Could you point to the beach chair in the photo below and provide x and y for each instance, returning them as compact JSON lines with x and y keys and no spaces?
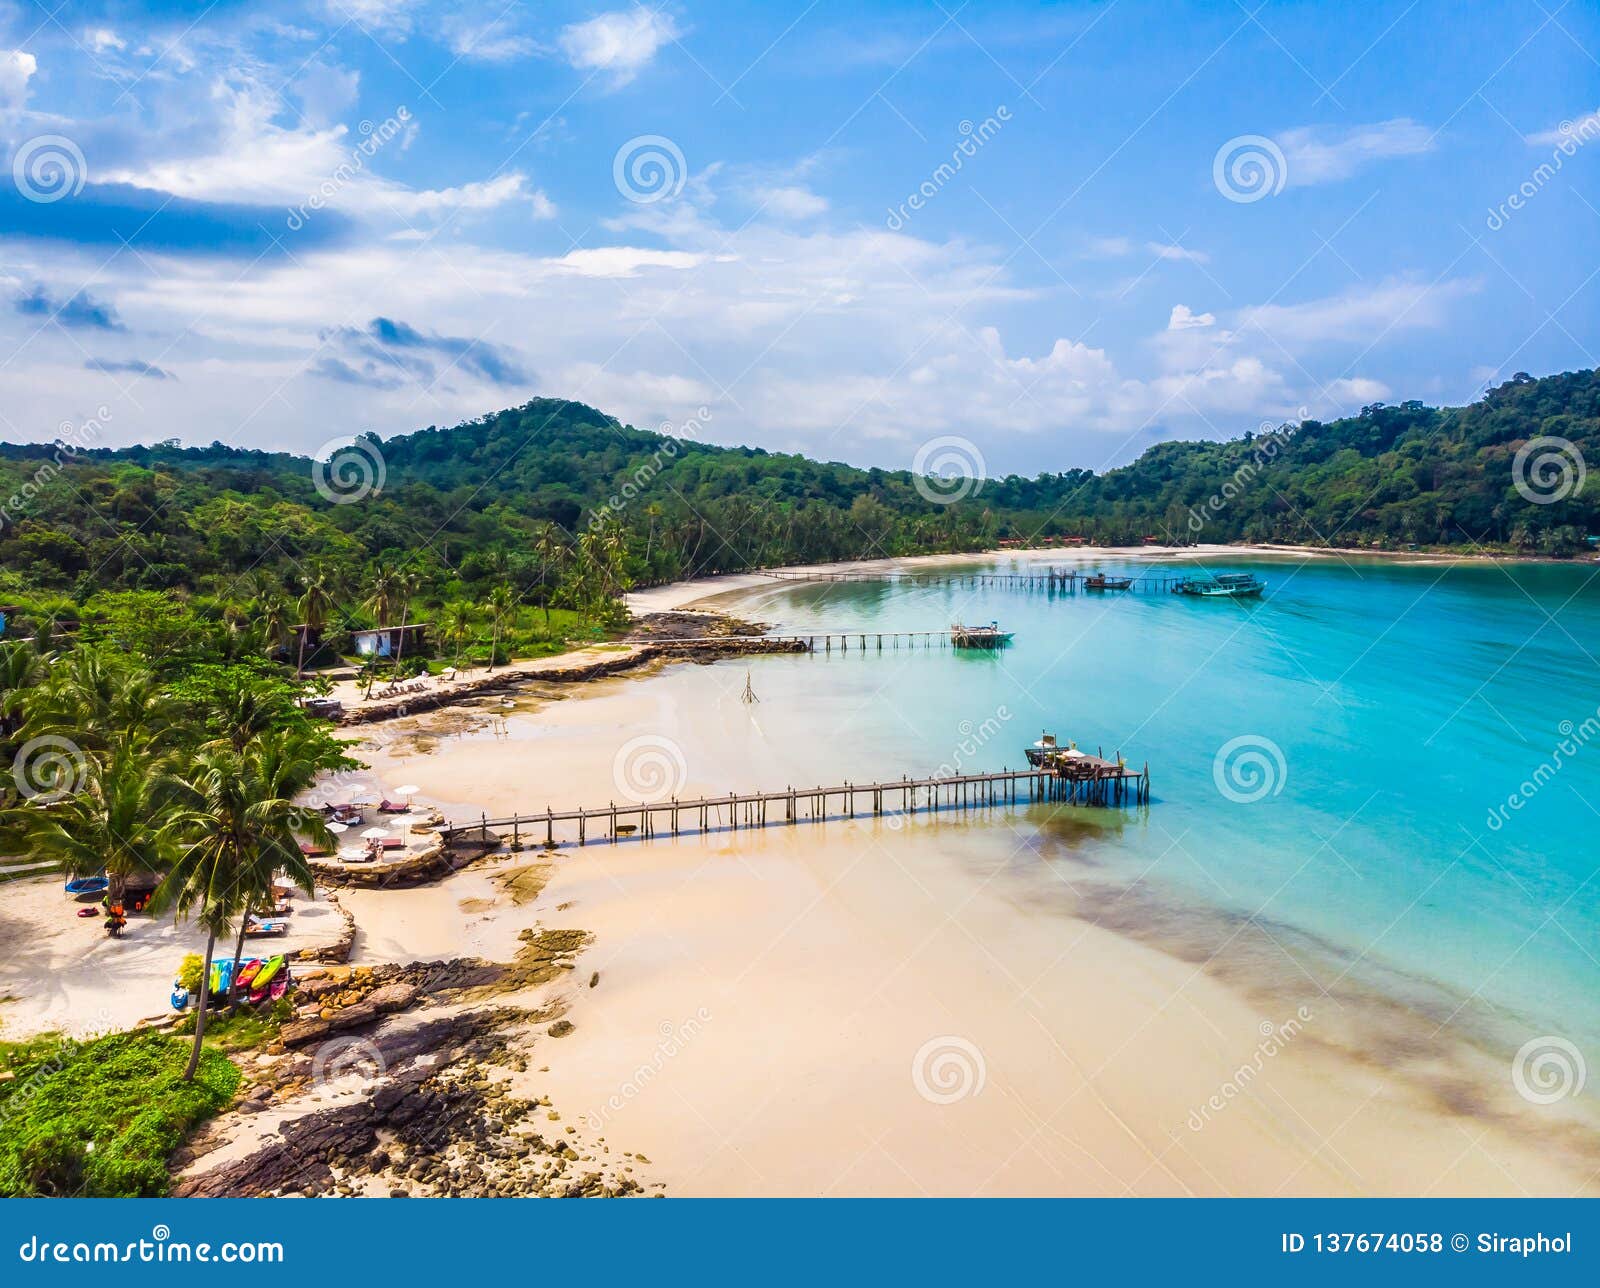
{"x":389,"y":807}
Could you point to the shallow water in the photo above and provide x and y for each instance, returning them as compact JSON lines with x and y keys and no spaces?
{"x":1333,"y":766}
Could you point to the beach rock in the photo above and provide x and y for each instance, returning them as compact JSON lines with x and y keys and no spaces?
{"x":560,"y":1029}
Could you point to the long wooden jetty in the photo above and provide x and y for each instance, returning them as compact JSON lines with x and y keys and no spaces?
{"x":811,"y":641}
{"x":1086,"y":780}
{"x":1063,"y":580}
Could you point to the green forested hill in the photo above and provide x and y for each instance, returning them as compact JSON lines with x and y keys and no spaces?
{"x":507,"y":498}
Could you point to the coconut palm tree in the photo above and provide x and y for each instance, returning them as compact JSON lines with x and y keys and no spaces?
{"x":22,"y":667}
{"x":455,"y":623}
{"x":277,"y":767}
{"x":316,"y":606}
{"x":548,"y":548}
{"x":500,"y":604}
{"x":110,"y":823}
{"x":409,"y":582}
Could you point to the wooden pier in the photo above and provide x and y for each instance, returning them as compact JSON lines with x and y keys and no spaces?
{"x":824,"y":641}
{"x":1086,"y":780}
{"x":1060,"y":580}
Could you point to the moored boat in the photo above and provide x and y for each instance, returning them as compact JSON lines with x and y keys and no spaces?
{"x":1236,"y":585}
{"x":990,"y":636}
{"x":1099,"y":581}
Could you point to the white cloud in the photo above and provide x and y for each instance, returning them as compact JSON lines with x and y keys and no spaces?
{"x":326,"y":92}
{"x":1363,"y":314}
{"x":1317,"y":155}
{"x":16,"y":70}
{"x":620,"y":43}
{"x":493,"y":40}
{"x":790,"y":201}
{"x":1108,"y":247}
{"x":103,"y":39}
{"x":1183,"y":320}
{"x":1165,"y":250}
{"x":1578,"y":130}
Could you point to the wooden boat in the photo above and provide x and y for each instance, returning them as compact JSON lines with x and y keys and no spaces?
{"x":1239,"y":585}
{"x":1099,"y":581}
{"x":990,"y":636}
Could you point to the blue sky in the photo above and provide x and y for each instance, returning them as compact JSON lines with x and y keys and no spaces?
{"x":1062,"y":232}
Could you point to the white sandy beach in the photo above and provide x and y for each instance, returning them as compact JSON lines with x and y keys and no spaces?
{"x":860,"y":1007}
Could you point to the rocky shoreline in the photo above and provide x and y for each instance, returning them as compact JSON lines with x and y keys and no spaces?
{"x":396,"y":1081}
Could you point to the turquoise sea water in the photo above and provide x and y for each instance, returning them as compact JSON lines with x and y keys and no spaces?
{"x":1385,"y":714}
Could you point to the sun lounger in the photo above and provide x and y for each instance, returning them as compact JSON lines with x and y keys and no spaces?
{"x":390,"y":807}
{"x":312,"y":850}
{"x":391,"y":843}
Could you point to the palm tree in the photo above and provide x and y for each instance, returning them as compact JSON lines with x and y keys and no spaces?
{"x":272,"y":614}
{"x":316,"y":603}
{"x":500,"y":606}
{"x":455,"y":623}
{"x":277,"y":767}
{"x":408,"y":584}
{"x":548,"y":548}
{"x":109,"y":823}
{"x":22,"y":666}
{"x":206,"y":881}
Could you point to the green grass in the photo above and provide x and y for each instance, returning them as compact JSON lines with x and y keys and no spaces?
{"x":101,"y":1118}
{"x":246,"y":1029}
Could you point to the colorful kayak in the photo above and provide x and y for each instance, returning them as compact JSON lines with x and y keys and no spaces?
{"x":221,"y":976}
{"x":248,"y":970}
{"x":279,"y":987}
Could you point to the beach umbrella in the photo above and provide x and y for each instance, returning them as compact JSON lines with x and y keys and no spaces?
{"x":372,"y":833}
{"x":336,"y":828}
{"x":364,"y":798}
{"x":410,"y":789}
{"x":352,"y":852}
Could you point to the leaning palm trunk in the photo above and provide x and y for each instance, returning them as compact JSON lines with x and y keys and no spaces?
{"x":238,"y":952}
{"x":200,"y":1014}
